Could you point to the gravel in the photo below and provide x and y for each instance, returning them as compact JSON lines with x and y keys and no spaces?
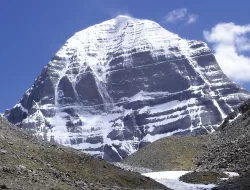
{"x":230,"y":147}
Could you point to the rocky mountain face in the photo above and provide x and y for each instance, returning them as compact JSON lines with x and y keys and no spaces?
{"x":230,"y":147}
{"x":121,"y":84}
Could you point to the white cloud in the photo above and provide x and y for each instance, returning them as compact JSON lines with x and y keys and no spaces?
{"x":181,"y":15}
{"x":192,"y":18}
{"x":231,"y":46}
{"x":176,"y":15}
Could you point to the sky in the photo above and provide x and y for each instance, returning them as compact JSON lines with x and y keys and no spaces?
{"x":32,"y":31}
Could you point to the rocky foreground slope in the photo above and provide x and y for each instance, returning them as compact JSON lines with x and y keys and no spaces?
{"x":230,"y":149}
{"x":124,"y":83}
{"x":241,"y":182}
{"x":169,"y":154}
{"x":29,"y":163}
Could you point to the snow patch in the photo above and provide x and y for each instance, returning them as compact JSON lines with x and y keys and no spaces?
{"x":223,"y":115}
{"x":238,"y":115}
{"x":22,"y":108}
{"x":171,"y":180}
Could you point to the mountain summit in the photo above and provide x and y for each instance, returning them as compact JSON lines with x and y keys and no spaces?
{"x":121,"y":84}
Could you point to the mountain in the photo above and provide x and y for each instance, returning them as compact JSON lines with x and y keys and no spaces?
{"x":122,"y":84}
{"x":30,"y":163}
{"x":230,"y":145}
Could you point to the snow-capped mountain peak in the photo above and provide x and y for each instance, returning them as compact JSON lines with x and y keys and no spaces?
{"x":123,"y":83}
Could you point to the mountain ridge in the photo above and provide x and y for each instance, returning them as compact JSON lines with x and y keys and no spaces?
{"x":121,"y":84}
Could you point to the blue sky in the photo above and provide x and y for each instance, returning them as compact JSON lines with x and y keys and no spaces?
{"x":32,"y":31}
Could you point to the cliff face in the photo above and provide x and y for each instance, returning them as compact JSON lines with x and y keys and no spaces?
{"x":121,"y":84}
